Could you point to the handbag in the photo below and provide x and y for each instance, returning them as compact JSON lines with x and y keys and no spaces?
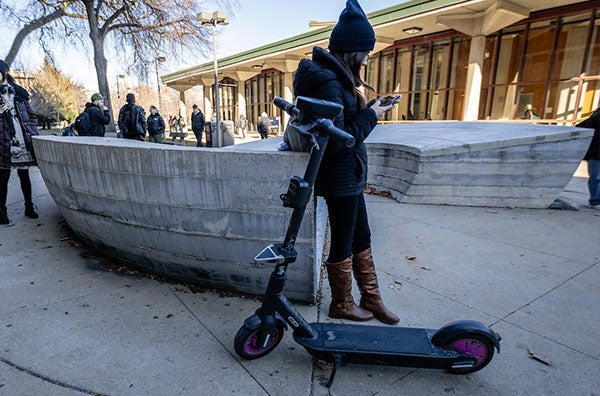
{"x":295,"y":138}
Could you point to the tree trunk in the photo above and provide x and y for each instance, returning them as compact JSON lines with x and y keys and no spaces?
{"x":98,"y":37}
{"x":30,"y":27}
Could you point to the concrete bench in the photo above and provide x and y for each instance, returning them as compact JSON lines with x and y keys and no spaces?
{"x":180,"y":135}
{"x":193,"y":214}
{"x":475,"y":163}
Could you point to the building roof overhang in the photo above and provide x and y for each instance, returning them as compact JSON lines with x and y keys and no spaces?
{"x":471,"y":17}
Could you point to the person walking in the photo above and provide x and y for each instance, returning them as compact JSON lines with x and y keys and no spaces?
{"x":156,"y":126}
{"x":242,"y":124}
{"x":98,"y":115}
{"x":263,"y":125}
{"x":197,"y":124}
{"x":336,"y":76}
{"x":592,"y":156}
{"x":18,"y":123}
{"x":132,"y":120}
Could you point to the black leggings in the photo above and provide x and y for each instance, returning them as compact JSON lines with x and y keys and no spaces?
{"x":349,"y":227}
{"x":25,"y":185}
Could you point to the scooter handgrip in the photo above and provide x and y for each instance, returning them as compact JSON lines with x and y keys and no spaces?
{"x":286,"y":106}
{"x":336,"y":133}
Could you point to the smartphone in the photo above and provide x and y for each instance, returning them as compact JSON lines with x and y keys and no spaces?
{"x":392,"y":100}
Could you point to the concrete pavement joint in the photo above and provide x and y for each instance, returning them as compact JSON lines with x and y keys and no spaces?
{"x":47,"y":379}
{"x":218,"y":341}
{"x":504,"y":319}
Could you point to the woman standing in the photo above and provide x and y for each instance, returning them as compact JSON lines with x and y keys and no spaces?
{"x":335,"y":76}
{"x":18,"y":123}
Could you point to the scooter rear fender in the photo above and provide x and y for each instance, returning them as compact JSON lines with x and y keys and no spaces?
{"x":458,"y":328}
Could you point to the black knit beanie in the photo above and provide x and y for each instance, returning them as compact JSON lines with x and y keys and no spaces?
{"x":353,"y":32}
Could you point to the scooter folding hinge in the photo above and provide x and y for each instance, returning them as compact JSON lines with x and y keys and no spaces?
{"x":270,"y":255}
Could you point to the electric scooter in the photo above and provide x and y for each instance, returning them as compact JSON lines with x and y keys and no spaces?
{"x":460,"y":347}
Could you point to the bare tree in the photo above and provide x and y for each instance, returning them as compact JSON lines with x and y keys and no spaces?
{"x":139,"y":29}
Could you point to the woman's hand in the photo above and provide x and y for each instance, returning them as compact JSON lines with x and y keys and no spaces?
{"x":379,"y":109}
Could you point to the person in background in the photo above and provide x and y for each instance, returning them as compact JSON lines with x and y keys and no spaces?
{"x":242,"y":124}
{"x":156,"y":126}
{"x":132,"y":120}
{"x":197,"y":124}
{"x":263,"y":125}
{"x":98,"y":115}
{"x":336,"y":76}
{"x":18,"y":123}
{"x":592,"y":156}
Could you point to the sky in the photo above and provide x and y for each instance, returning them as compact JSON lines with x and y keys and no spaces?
{"x":253,"y":24}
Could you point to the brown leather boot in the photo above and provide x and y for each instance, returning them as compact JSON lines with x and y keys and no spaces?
{"x":364,"y":273}
{"x":342,"y":304}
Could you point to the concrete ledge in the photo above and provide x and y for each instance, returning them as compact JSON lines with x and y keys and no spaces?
{"x":475,"y":163}
{"x":195,"y":214}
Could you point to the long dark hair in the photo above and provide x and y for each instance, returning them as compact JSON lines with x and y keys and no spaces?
{"x":352,"y":62}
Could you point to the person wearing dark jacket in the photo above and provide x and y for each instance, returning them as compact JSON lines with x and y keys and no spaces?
{"x":18,"y":123}
{"x":335,"y":76}
{"x":197,"y":124}
{"x":156,"y":126}
{"x":132,"y":120}
{"x":98,"y":114}
{"x":592,"y":156}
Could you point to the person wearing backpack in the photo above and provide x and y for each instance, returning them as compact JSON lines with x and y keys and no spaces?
{"x":95,"y":117}
{"x":132,"y":120}
{"x":156,"y":126}
{"x":18,"y":123}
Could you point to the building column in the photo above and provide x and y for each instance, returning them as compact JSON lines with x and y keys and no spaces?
{"x":474,"y":79}
{"x":208,"y":105}
{"x":241,"y":99}
{"x":182,"y":109}
{"x":288,"y":94}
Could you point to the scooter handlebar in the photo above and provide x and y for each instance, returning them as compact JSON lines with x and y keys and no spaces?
{"x":286,"y":106}
{"x":337,"y":134}
{"x":323,"y":124}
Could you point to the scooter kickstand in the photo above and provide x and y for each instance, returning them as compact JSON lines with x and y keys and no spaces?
{"x":336,"y":362}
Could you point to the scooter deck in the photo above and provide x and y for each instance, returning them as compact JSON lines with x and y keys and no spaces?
{"x":399,"y":346}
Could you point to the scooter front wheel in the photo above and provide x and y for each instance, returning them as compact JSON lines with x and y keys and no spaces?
{"x":246,"y":342}
{"x":478,"y":346}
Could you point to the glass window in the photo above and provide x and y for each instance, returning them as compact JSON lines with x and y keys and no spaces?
{"x":510,"y":55}
{"x":540,"y":42}
{"x":439,"y":65}
{"x":386,"y":73}
{"x":570,"y":48}
{"x":591,"y":99}
{"x":458,"y":79}
{"x":420,"y":72}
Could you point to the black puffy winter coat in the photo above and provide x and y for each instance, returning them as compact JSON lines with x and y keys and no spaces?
{"x":98,"y":119}
{"x":593,"y":122}
{"x":343,"y":171}
{"x":27,"y":118}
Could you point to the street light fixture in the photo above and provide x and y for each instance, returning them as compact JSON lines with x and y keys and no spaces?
{"x":157,"y":59}
{"x":214,"y":19}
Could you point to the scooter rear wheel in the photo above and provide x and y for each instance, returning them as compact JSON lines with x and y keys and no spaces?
{"x":246,"y":341}
{"x":480,"y":347}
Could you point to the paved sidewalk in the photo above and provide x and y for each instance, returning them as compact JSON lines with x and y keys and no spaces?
{"x":70,"y":324}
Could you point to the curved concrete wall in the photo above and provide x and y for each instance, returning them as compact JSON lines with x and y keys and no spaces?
{"x":196,"y":214}
{"x":475,"y":163}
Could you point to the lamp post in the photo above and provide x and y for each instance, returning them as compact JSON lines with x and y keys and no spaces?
{"x":119,"y":76}
{"x":157,"y":59}
{"x":214,"y":19}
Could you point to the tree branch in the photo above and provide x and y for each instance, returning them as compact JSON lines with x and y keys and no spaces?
{"x":28,"y":28}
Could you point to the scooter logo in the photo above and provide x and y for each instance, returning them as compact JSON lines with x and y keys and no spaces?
{"x":331,"y":335}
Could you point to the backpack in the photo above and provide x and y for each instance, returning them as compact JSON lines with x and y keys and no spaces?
{"x":83,"y":124}
{"x":130,"y":118}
